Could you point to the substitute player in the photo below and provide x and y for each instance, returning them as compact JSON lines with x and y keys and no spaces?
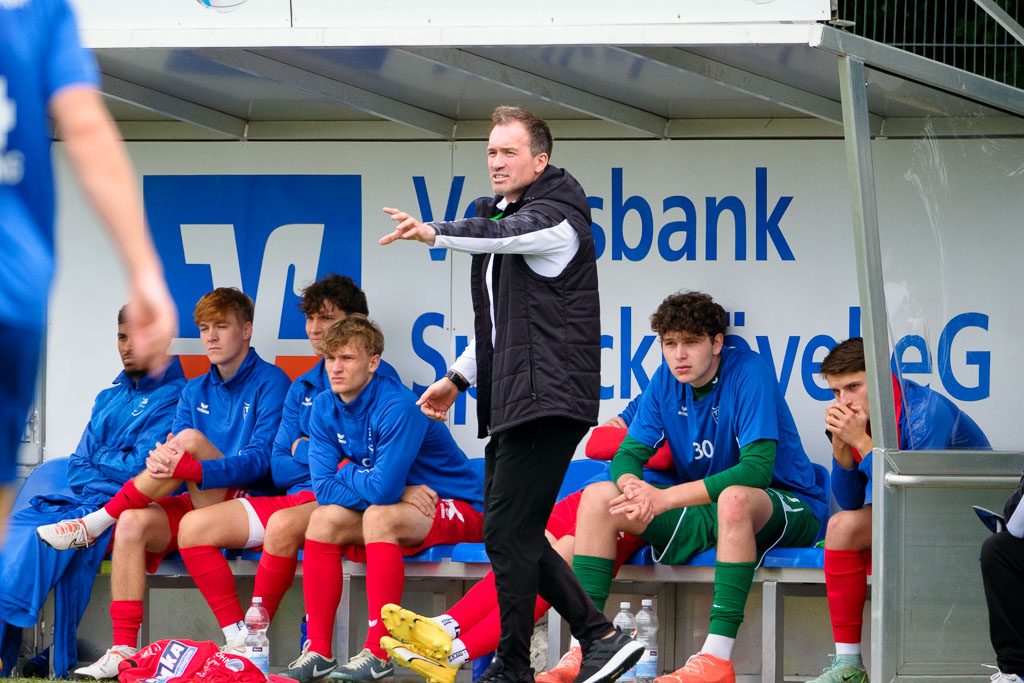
{"x":223,"y":431}
{"x":278,"y":523}
{"x":925,"y":420}
{"x":389,"y":482}
{"x":748,"y":485}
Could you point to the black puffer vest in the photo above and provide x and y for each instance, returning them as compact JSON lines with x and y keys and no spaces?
{"x":546,"y":358}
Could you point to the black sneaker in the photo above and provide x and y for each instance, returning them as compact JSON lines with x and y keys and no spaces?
{"x":606,"y":659}
{"x":496,"y":673}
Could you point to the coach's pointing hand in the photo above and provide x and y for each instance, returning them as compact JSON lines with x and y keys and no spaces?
{"x":408,"y":228}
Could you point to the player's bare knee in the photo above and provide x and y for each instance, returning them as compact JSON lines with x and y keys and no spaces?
{"x":735,"y":506}
{"x":597,"y":496}
{"x":132,"y":527}
{"x":846,"y":528}
{"x":284,"y":528}
{"x":192,"y":529}
{"x":328,"y":522}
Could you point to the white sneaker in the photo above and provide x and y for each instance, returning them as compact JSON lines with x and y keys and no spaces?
{"x":236,"y":646}
{"x":106,"y":666}
{"x":65,"y":534}
{"x":1000,"y":677}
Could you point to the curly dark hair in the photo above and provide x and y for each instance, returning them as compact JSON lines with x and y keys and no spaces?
{"x":339,"y":290}
{"x":846,"y":357}
{"x":691,"y":313}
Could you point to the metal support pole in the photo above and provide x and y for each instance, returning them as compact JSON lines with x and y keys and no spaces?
{"x":885,"y":616}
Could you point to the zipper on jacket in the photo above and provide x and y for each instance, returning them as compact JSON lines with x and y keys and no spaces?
{"x":533,"y":384}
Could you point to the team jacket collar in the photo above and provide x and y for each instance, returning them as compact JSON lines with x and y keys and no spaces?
{"x":154,"y":380}
{"x":243,"y":370}
{"x":364,"y":401}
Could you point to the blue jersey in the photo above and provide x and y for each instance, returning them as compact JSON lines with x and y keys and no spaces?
{"x":705,"y":436}
{"x":291,"y":471}
{"x":127,"y":421}
{"x":928,"y":421}
{"x":392,"y":445}
{"x":239,"y":417}
{"x":39,"y":54}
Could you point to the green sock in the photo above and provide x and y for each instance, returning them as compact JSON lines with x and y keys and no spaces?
{"x":595,"y":575}
{"x":732,"y":585}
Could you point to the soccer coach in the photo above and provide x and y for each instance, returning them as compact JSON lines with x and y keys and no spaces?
{"x":536,"y":362}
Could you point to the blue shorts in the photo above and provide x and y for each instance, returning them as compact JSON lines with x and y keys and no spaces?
{"x":19,"y":362}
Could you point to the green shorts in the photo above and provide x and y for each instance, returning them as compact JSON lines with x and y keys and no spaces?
{"x":678,"y":535}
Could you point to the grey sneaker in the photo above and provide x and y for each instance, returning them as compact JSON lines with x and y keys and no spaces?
{"x":106,"y":666}
{"x":310,"y":666}
{"x":843,"y":669}
{"x":365,"y":666}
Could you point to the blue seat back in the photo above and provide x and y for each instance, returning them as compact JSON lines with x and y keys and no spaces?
{"x":50,"y":477}
{"x":579,"y":473}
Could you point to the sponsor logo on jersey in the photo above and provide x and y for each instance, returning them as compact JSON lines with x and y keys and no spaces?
{"x":141,"y":407}
{"x":203,"y":408}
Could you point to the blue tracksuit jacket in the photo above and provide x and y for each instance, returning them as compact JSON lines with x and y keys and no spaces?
{"x":928,"y":421}
{"x":291,"y":471}
{"x":392,"y":445}
{"x":239,"y":417}
{"x":127,"y":420}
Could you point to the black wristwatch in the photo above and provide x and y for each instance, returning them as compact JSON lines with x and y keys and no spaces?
{"x":458,"y":380}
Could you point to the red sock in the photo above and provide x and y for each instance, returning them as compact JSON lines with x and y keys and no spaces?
{"x":215,"y":581}
{"x":385,"y":578}
{"x":321,"y":588}
{"x":483,"y":637}
{"x":128,"y":498}
{"x":126,"y":616}
{"x":846,"y":585}
{"x":273,"y":579}
{"x":188,"y":468}
{"x":479,"y":601}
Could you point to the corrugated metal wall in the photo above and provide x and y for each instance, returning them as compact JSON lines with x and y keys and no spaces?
{"x":955,"y":32}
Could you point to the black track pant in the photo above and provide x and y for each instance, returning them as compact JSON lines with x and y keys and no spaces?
{"x":524,"y":470}
{"x":1002,"y":570}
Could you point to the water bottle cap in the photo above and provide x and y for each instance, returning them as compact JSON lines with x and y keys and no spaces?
{"x":646,"y":603}
{"x":623,"y":605}
{"x":257,"y":601}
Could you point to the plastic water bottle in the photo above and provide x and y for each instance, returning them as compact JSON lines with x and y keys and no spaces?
{"x":647,"y":634}
{"x":626,"y":622}
{"x":257,"y":646}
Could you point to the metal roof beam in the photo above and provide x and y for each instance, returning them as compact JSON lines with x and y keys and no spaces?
{"x":914,"y":67}
{"x":1003,"y":19}
{"x":330,"y":89}
{"x":174,"y":107}
{"x":749,"y":84}
{"x":545,"y":89}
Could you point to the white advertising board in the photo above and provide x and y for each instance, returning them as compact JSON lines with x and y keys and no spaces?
{"x":96,"y":15}
{"x":763,"y":226}
{"x":311,"y":13}
{"x":235,"y":14}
